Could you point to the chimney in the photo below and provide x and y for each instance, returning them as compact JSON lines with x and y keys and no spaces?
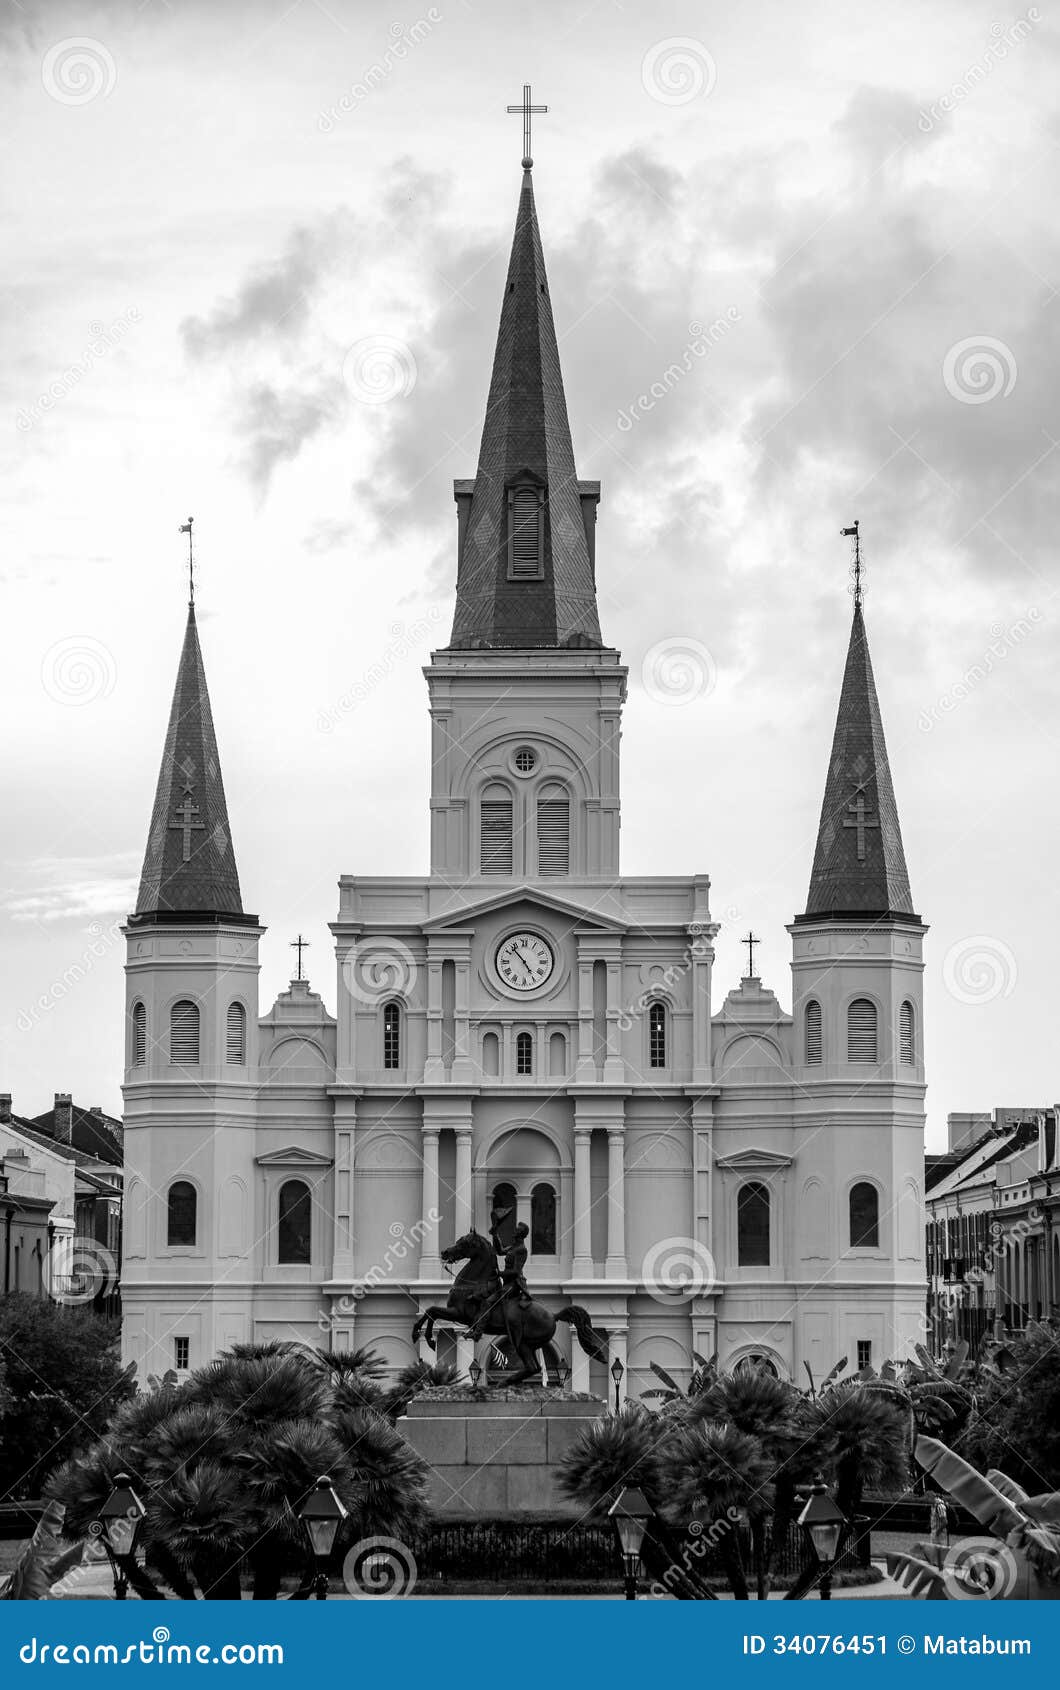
{"x":5,"y":1106}
{"x":63,"y":1117}
{"x":97,"y":1111}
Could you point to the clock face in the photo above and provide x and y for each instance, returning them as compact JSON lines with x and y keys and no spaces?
{"x":525,"y":961}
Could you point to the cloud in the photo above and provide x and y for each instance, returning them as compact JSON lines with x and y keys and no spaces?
{"x":53,"y":889}
{"x":273,"y":302}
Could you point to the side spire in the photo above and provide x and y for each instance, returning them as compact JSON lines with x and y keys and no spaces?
{"x":189,"y":871}
{"x":859,"y":866}
{"x":525,"y":575}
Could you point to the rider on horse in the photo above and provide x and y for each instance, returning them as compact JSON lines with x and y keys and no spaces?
{"x":508,"y":1286}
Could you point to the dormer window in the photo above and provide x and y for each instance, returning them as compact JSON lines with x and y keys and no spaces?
{"x":526,"y":527}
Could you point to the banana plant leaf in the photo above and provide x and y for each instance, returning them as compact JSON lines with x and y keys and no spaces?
{"x":923,"y":1581}
{"x":1008,"y":1487}
{"x":43,"y":1561}
{"x":967,"y":1487}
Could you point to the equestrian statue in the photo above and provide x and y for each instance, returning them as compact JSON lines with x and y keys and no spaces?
{"x":490,"y":1298}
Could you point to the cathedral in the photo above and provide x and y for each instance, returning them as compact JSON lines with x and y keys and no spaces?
{"x":521,"y":1028}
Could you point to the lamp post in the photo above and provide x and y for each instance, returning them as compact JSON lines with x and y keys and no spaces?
{"x":562,"y":1371}
{"x":617,"y":1371}
{"x":474,"y":1373}
{"x":119,"y":1522}
{"x":822,"y":1520}
{"x":322,"y":1513}
{"x":631,"y":1514}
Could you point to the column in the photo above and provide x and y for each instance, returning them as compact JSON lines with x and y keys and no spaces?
{"x":462,"y":1216}
{"x":430,"y":1261}
{"x":616,"y":1204}
{"x":433,"y":1068}
{"x":582,"y":1267}
{"x":342,"y":1237}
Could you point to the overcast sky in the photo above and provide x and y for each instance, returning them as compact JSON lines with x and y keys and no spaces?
{"x":252,"y":279}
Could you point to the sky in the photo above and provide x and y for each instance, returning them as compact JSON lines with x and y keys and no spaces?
{"x":804,"y":266}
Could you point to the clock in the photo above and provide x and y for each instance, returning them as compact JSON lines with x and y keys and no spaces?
{"x":524,"y":961}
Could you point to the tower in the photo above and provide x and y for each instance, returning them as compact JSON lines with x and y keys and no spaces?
{"x":191,"y":1032}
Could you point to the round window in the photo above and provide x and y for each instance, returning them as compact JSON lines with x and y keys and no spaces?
{"x":525,"y":760}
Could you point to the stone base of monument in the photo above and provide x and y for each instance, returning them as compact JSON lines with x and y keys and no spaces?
{"x":497,"y":1452}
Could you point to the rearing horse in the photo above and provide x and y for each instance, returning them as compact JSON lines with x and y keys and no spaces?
{"x":475,"y":1297}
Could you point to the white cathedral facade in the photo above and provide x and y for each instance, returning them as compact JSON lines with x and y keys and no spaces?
{"x":522,"y":1027}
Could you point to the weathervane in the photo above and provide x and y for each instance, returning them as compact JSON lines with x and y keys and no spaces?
{"x":299,"y":945}
{"x":527,"y":110}
{"x":185,"y":528}
{"x":855,"y":568}
{"x":750,"y":941}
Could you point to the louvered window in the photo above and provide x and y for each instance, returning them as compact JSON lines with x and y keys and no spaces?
{"x":553,"y":832}
{"x":184,"y":1034}
{"x":524,"y":1054}
{"x":524,"y":534}
{"x":392,"y":1036}
{"x":813,"y":1031}
{"x":907,"y":1034}
{"x":861,"y":1031}
{"x":236,"y":1035}
{"x":139,"y":1036}
{"x":496,"y":830}
{"x":657,"y":1036}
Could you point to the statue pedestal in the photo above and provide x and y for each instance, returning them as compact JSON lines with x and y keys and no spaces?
{"x":497,"y":1452}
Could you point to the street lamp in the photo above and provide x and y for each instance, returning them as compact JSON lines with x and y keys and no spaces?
{"x":617,"y":1371}
{"x":474,"y":1373}
{"x":822,"y":1520}
{"x":322,"y":1513}
{"x":562,"y":1371}
{"x":631,"y":1514}
{"x":119,"y":1522}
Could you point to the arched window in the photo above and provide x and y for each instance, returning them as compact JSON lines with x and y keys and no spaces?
{"x":236,"y":1035}
{"x":657,"y":1036}
{"x":752,"y":1225}
{"x":181,"y":1210}
{"x":813,"y":1031}
{"x":504,"y":1202}
{"x":294,"y":1228}
{"x":184,"y":1034}
{"x":864,"y":1216}
{"x":491,"y":1054}
{"x":524,"y":1053}
{"x":557,"y":1055}
{"x":553,"y":831}
{"x":861,"y":1031}
{"x":543,"y":1221}
{"x":525,"y":533}
{"x":757,"y":1362}
{"x":907,"y":1034}
{"x":392,"y":1035}
{"x":139,"y":1035}
{"x":495,"y":820}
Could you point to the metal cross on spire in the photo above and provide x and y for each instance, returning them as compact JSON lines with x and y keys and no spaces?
{"x":528,"y":111}
{"x":750,"y":940}
{"x":299,"y":945}
{"x":185,"y":528}
{"x":855,"y":568}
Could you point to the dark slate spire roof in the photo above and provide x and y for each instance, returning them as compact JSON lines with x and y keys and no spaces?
{"x":189,"y":869}
{"x":526,"y":438}
{"x":859,"y":868}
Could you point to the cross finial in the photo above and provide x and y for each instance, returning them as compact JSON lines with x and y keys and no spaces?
{"x":299,"y":945}
{"x":750,"y":940}
{"x":527,"y":110}
{"x":185,"y":528}
{"x":855,"y":568}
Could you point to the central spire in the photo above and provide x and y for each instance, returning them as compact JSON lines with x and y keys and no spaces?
{"x":525,"y":574}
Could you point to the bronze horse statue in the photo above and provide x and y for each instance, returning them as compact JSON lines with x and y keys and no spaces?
{"x":475,"y":1300}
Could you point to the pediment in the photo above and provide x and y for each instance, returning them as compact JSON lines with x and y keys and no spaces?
{"x":742,"y":1160}
{"x":293,"y":1156}
{"x":523,"y":894}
